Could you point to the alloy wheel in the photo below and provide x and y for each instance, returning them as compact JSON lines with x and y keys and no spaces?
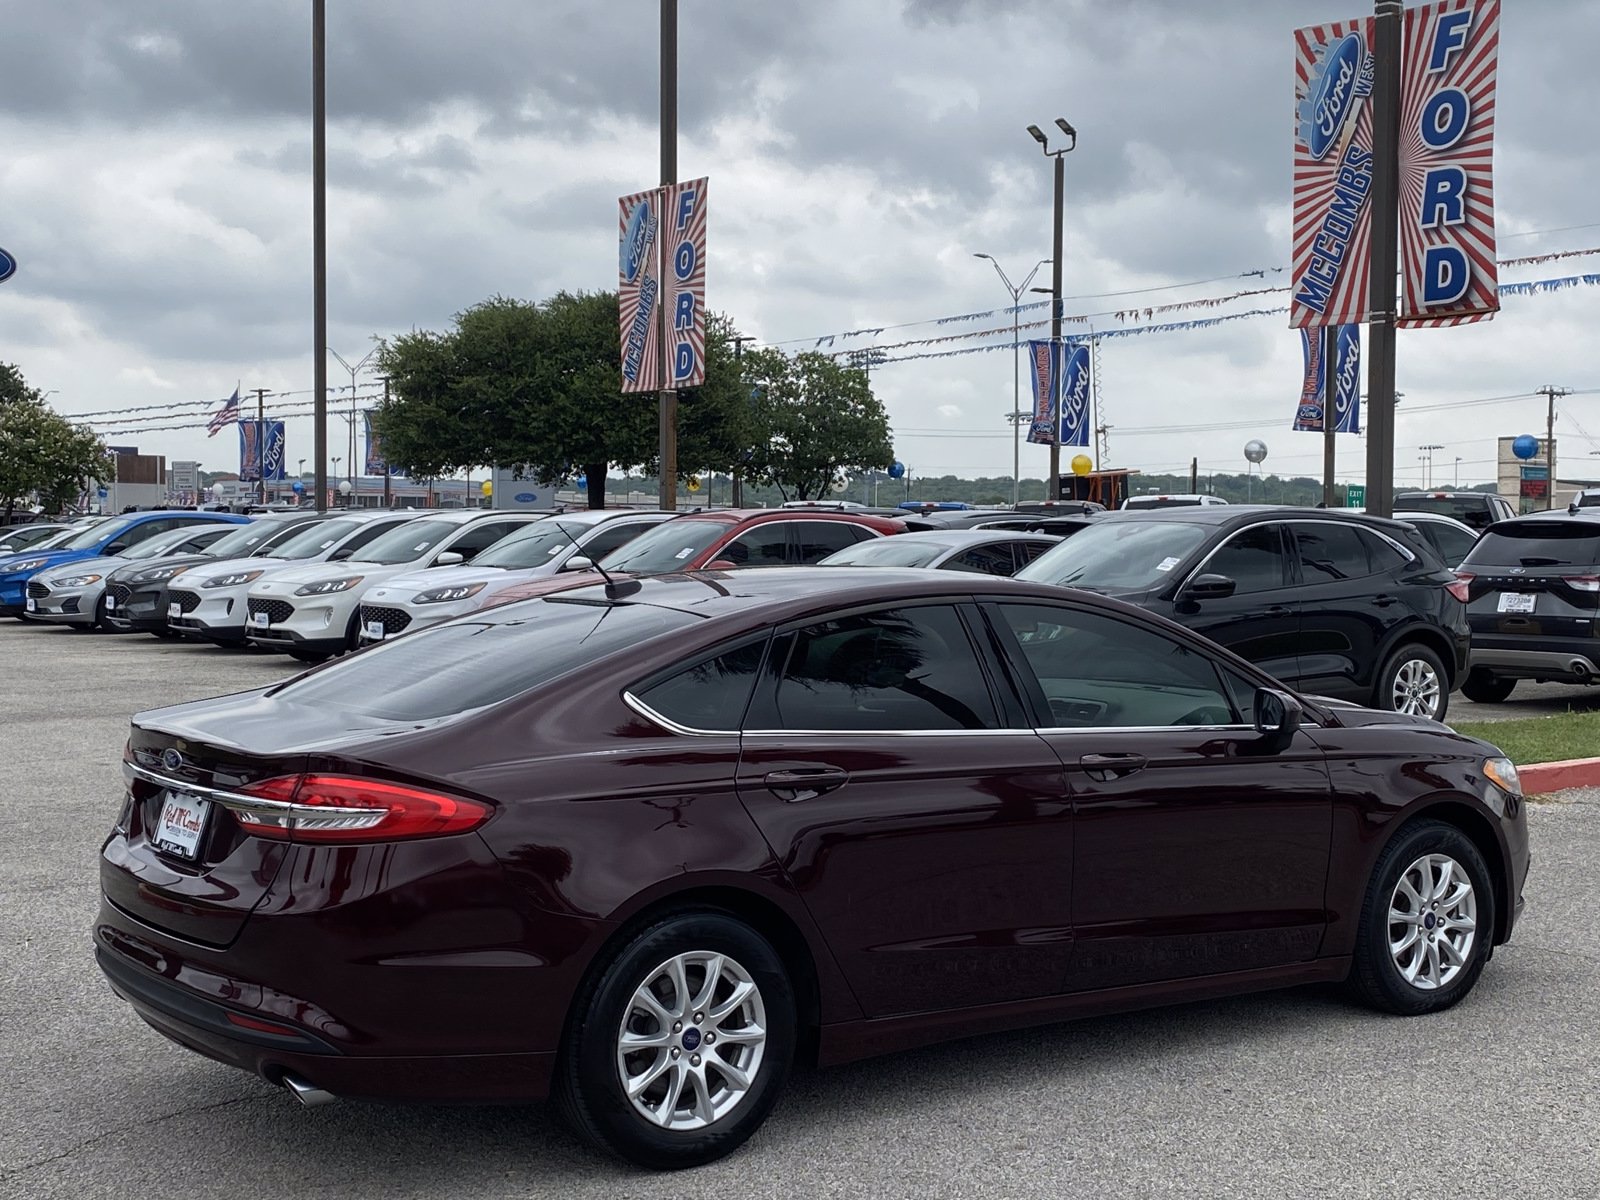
{"x":692,"y":1040}
{"x":1416,"y":689}
{"x":1433,"y":922}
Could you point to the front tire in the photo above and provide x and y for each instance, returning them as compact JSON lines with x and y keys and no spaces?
{"x":1414,"y":682}
{"x":1482,"y":687}
{"x":678,"y":1049}
{"x":1427,"y":922}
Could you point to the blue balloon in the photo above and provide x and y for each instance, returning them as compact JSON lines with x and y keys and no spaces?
{"x":581,"y":482}
{"x":297,"y":487}
{"x":897,"y":470}
{"x":1525,"y":446}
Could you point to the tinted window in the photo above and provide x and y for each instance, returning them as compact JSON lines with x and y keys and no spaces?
{"x":1382,"y":554}
{"x":610,"y":537}
{"x":911,"y":668}
{"x":1474,"y":510}
{"x":984,"y":560}
{"x":1539,"y":544}
{"x":1096,"y":671}
{"x":453,"y":668}
{"x":96,"y":534}
{"x":764,"y":546}
{"x":480,"y":535}
{"x":1452,"y":544}
{"x":815,"y":540}
{"x":409,"y":542}
{"x":164,"y":543}
{"x":712,"y":694}
{"x":143,"y":532}
{"x":670,"y":546}
{"x":1138,"y":502}
{"x":369,"y":532}
{"x":1330,"y":552}
{"x":1118,"y":555}
{"x":1026,"y":552}
{"x":1252,"y":558}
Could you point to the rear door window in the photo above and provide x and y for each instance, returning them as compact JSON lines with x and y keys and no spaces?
{"x":764,"y":546}
{"x":711,"y":695}
{"x":480,"y":535}
{"x":815,"y":540}
{"x":611,"y":537}
{"x":1330,"y":552}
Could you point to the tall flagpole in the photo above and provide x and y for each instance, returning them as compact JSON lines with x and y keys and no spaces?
{"x":1382,"y":300}
{"x":319,"y":248}
{"x":668,"y":398}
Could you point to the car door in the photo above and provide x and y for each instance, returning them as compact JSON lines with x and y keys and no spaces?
{"x":1260,"y":621}
{"x":1194,"y":854}
{"x":1347,"y":605}
{"x":925,"y":826}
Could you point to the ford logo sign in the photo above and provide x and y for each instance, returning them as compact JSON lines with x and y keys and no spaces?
{"x":1340,"y":78}
{"x":171,"y":759}
{"x":8,"y":266}
{"x":526,"y":497}
{"x":636,"y":239}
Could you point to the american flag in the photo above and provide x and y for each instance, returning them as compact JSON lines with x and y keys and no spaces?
{"x":225,"y":416}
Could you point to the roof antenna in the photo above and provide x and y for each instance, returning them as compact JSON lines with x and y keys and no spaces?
{"x":616,"y":589}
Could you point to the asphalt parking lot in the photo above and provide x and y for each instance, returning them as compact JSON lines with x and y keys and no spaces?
{"x":1288,"y":1094}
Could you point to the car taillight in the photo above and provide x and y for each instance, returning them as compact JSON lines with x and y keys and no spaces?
{"x":341,"y":808}
{"x":1582,"y":583}
{"x":1461,"y":589}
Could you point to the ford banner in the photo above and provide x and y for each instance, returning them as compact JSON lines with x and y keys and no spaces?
{"x":1077,"y":383}
{"x":1308,"y":416}
{"x":639,"y":289}
{"x":1042,"y":371}
{"x":685,"y":249}
{"x":1347,"y":381}
{"x":254,"y":455}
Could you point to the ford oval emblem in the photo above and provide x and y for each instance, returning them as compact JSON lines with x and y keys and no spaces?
{"x":636,"y":238}
{"x":1340,"y":78}
{"x":526,"y":497}
{"x":8,"y":266}
{"x":171,"y":759}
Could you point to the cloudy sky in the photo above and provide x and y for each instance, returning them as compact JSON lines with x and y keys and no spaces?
{"x":155,"y":189}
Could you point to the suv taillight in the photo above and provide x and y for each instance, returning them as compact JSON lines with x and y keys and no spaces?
{"x":1461,"y":588}
{"x":1582,"y":583}
{"x":342,"y":808}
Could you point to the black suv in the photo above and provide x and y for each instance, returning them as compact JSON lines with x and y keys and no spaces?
{"x":1478,"y":509}
{"x":1354,"y":607}
{"x":1533,"y":599}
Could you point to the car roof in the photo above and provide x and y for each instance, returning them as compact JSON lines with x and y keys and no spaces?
{"x":1245,"y":514}
{"x":758,"y":516}
{"x":597,"y":516}
{"x":969,"y":537}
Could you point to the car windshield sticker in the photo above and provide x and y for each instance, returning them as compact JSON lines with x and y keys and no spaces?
{"x":1166,"y":564}
{"x":685,"y":552}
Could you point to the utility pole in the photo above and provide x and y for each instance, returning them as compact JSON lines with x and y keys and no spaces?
{"x":386,"y":473}
{"x":736,"y":492}
{"x":261,"y":442}
{"x":668,"y":399}
{"x":319,"y":247}
{"x":1053,"y":491}
{"x":1381,"y":300}
{"x":1428,"y":462}
{"x":1194,"y":476}
{"x":1330,"y":422}
{"x":1550,"y":393}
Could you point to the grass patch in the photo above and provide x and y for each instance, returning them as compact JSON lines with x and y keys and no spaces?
{"x":1541,"y":739}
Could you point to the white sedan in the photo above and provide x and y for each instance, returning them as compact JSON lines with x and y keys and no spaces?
{"x":311,"y":612}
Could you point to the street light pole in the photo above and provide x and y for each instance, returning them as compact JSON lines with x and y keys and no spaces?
{"x":1054,"y":490}
{"x":354,"y":371}
{"x":1015,"y":292}
{"x":319,"y":247}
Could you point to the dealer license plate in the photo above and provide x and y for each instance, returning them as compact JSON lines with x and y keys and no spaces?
{"x":375,"y":630}
{"x":181,"y":824}
{"x":111,"y":604}
{"x":31,"y":605}
{"x":174,"y":611}
{"x":260,"y":620}
{"x":1517,"y":602}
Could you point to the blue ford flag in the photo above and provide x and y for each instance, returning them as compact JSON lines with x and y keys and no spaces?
{"x":1076,"y":383}
{"x":1046,"y":382}
{"x":1308,"y":416}
{"x":1347,"y":375}
{"x":8,"y":266}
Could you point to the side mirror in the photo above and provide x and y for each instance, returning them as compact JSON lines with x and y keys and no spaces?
{"x":1209,"y":587}
{"x":116,"y":548}
{"x":341,"y":554}
{"x":1278,"y":716}
{"x":449,"y":558}
{"x":578,"y":563}
{"x":722,"y":564}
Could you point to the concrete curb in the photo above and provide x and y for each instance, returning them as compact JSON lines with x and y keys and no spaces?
{"x":1540,"y":779}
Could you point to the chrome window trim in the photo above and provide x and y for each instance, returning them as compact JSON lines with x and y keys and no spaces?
{"x":240,"y":803}
{"x":650,"y":714}
{"x":1204,"y":562}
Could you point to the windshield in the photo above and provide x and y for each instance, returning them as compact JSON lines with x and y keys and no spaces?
{"x":887,"y":552}
{"x":309,"y":543}
{"x":95,"y":534}
{"x":670,"y":546}
{"x":462,"y":666}
{"x":533,"y":547}
{"x":243,"y":541}
{"x":156,"y":546}
{"x":408,"y":542}
{"x":1117,"y":556}
{"x":1538,"y":544}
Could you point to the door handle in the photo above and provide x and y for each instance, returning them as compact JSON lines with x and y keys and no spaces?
{"x":1106,"y":767}
{"x":1384,"y":601}
{"x":805,"y":783}
{"x":1277,"y":610}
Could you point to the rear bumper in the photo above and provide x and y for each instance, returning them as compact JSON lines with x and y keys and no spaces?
{"x":1569,"y":660}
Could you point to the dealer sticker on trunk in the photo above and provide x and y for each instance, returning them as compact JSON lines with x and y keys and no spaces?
{"x":182,"y":821}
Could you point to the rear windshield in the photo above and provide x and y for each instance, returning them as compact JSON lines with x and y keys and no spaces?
{"x":670,"y":546}
{"x":1450,"y":506}
{"x":1538,"y":544}
{"x":457,"y":667}
{"x":1162,"y":502}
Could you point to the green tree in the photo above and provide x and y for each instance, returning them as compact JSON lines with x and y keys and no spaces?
{"x":41,"y":452}
{"x":817,"y":421}
{"x":719,"y":423}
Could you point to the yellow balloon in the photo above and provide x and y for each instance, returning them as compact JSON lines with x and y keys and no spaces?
{"x":1082,"y":464}
{"x":488,"y":487}
{"x":694,"y":483}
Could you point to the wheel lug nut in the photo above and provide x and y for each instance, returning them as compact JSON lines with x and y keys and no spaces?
{"x":676,"y":1052}
{"x":677,"y":1027}
{"x":694,"y":1060}
{"x":710,"y":1037}
{"x":699,"y":1017}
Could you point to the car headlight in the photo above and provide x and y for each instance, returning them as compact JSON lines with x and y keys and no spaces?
{"x":72,"y":581}
{"x":233,"y":580}
{"x":1503,"y":774}
{"x":158,"y":574}
{"x":31,"y":564}
{"x":444,"y":595}
{"x":327,"y":587}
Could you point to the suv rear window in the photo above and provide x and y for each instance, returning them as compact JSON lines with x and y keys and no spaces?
{"x":1538,"y":544}
{"x":1471,"y":509}
{"x":459,"y":667}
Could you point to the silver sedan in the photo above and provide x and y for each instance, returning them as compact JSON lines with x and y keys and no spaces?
{"x":73,"y":593}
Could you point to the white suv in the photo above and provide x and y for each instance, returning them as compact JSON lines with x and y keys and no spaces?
{"x":1174,"y":500}
{"x":311,"y":612}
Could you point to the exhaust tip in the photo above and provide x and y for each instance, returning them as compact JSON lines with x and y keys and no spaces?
{"x":308,"y":1094}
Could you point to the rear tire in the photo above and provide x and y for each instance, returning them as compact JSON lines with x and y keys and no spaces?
{"x":1482,"y":687}
{"x":1427,"y":922}
{"x":1414,"y":681}
{"x":659,"y":995}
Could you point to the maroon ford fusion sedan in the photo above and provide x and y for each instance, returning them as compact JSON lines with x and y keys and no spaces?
{"x":638,"y":846}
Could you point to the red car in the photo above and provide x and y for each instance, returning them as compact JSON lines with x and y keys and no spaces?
{"x":642,"y":847}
